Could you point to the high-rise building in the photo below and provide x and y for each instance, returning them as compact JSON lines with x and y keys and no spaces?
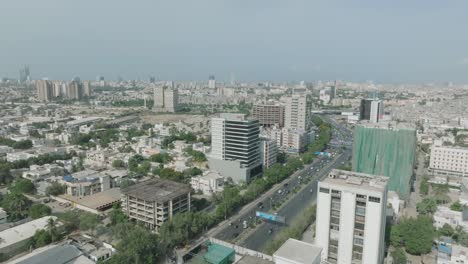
{"x":75,"y":89}
{"x":235,"y":148}
{"x":166,"y":99}
{"x":268,"y":152}
{"x":24,"y":74}
{"x":371,"y":109}
{"x":87,"y":88}
{"x":351,"y":216}
{"x":449,"y":160}
{"x":386,"y":149}
{"x":269,"y":115}
{"x":297,"y":114}
{"x":211,"y":82}
{"x":45,"y":90}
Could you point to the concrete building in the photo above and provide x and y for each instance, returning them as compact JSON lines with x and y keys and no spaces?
{"x":87,"y":88}
{"x":351,"y":216}
{"x":85,"y":183}
{"x":235,"y":149}
{"x":297,"y":252}
{"x":75,"y":90}
{"x":155,"y":201}
{"x":294,"y":140}
{"x":269,"y":115}
{"x":166,"y":99}
{"x":211,"y":82}
{"x":372,"y":110}
{"x":449,"y":160}
{"x":268,"y":152}
{"x":297,"y":114}
{"x":45,"y":90}
{"x":209,"y":183}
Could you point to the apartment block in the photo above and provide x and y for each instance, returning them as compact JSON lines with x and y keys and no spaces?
{"x":269,"y":115}
{"x":297,"y":114}
{"x":155,"y":201}
{"x":268,"y":152}
{"x":166,"y":99}
{"x":351,"y":216}
{"x":449,"y":160}
{"x":45,"y":90}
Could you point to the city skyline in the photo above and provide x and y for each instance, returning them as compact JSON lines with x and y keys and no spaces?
{"x":357,"y":41}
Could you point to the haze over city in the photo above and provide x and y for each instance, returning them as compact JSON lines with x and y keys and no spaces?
{"x":384,"y":41}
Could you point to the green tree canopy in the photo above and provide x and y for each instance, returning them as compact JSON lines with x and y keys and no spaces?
{"x":39,"y":210}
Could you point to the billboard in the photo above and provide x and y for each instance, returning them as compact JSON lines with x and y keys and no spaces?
{"x":271,"y":217}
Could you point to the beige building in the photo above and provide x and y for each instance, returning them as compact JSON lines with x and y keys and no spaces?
{"x":268,"y":152}
{"x":86,"y":88}
{"x":449,"y":160}
{"x":45,"y":90}
{"x":269,"y":115}
{"x":155,"y":201}
{"x":166,"y":99}
{"x":297,"y":114}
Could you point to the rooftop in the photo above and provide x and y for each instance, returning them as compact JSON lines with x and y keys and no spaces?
{"x":55,"y":254}
{"x":98,"y":200}
{"x":157,"y":190}
{"x":362,"y":180}
{"x":391,"y":125}
{"x":22,"y":232}
{"x":298,"y":252}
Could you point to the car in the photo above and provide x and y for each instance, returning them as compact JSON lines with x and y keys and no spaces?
{"x":270,"y":231}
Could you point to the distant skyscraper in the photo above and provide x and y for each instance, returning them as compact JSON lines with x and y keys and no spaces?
{"x":351,"y":216}
{"x":152,"y":79}
{"x":75,"y":89}
{"x":165,"y":99}
{"x":24,"y":74}
{"x":87,"y":88}
{"x":386,"y":149}
{"x":297,"y":113}
{"x":45,"y":90}
{"x":211,"y":82}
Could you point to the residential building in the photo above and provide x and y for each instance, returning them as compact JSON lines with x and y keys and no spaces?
{"x":294,"y":140}
{"x":155,"y":201}
{"x":326,"y":95}
{"x":372,"y":110}
{"x":75,"y":89}
{"x":269,"y":115}
{"x":449,"y":160}
{"x":87,"y":88}
{"x":85,"y":183}
{"x":297,"y":114}
{"x":268,"y":152}
{"x":235,"y":149}
{"x":386,"y":149}
{"x":166,"y":99}
{"x":455,"y":219}
{"x":209,"y":183}
{"x":44,"y":90}
{"x":297,"y":252}
{"x":211,"y":82}
{"x":351,"y":216}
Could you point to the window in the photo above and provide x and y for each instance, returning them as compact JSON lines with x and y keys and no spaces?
{"x":374,"y":199}
{"x":324,"y":190}
{"x":358,"y":241}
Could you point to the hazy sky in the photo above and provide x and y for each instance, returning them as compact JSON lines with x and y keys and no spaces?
{"x":380,"y":40}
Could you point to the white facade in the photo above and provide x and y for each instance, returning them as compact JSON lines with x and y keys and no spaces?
{"x":297,"y":252}
{"x":268,"y":152}
{"x":444,"y":215}
{"x":449,"y":160}
{"x":294,"y":141}
{"x":351,"y":215}
{"x":166,"y":99}
{"x":209,"y":183}
{"x":297,"y":112}
{"x":217,"y":138}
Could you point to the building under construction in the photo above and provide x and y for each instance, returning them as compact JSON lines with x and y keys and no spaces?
{"x":386,"y":149}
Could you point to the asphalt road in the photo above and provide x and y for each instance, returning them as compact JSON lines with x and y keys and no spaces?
{"x":299,"y":202}
{"x":302,"y":200}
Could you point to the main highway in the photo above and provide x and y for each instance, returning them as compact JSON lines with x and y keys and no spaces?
{"x":282,"y":192}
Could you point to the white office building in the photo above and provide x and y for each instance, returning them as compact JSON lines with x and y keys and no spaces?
{"x":449,"y":160}
{"x":235,"y":148}
{"x":351,"y":214}
{"x":268,"y":152}
{"x":297,"y":112}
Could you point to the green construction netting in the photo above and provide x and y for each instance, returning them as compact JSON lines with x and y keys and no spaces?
{"x":387,"y":152}
{"x":218,"y":254}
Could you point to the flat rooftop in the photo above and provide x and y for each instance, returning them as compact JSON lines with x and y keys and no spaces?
{"x":157,"y":190}
{"x":22,"y":232}
{"x":97,"y":201}
{"x":392,"y":125}
{"x":298,"y":252}
{"x":356,"y":179}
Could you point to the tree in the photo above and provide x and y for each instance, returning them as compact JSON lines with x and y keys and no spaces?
{"x":88,"y":221}
{"x":415,"y":234}
{"x":399,"y":256}
{"x":171,"y":174}
{"x":5,"y":176}
{"x":22,"y":186}
{"x":184,"y":227}
{"x":117,"y":216}
{"x":163,"y":158}
{"x":16,"y":205}
{"x":39,"y":210}
{"x":446,"y":230}
{"x":56,"y":189}
{"x":440,"y":193}
{"x":457,"y":206}
{"x":424,"y":186}
{"x":118,"y":164}
{"x":427,"y":206}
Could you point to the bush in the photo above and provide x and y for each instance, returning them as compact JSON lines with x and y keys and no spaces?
{"x":56,"y":189}
{"x":39,"y":210}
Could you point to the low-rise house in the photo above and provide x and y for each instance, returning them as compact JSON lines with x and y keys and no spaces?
{"x":444,"y":215}
{"x":41,"y":172}
{"x":209,"y":183}
{"x":85,"y":183}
